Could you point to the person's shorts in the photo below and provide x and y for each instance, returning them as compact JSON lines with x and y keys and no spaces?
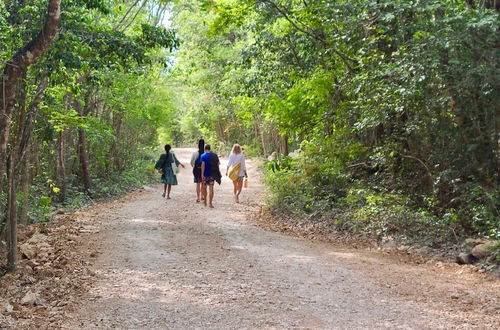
{"x":209,"y":181}
{"x":240,"y":178}
{"x":197,"y":179}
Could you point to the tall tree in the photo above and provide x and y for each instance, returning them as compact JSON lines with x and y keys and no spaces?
{"x":12,"y":73}
{"x":14,"y":70}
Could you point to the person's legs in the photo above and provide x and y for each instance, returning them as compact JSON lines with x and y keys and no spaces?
{"x":211,"y":195}
{"x":204,"y":193}
{"x":235,"y":190}
{"x":169,"y":188}
{"x":164,"y":190}
{"x":238,"y":190}
{"x":198,"y":191}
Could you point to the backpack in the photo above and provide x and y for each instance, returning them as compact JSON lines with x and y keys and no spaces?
{"x":197,"y":167}
{"x":197,"y":162}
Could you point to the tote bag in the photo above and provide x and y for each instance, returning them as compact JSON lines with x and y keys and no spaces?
{"x":175,"y":168}
{"x":234,"y":171}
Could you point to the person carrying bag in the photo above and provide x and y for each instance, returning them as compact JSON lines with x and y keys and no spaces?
{"x":168,"y":167}
{"x":236,"y":170}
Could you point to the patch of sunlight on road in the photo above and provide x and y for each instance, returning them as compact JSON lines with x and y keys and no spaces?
{"x":152,"y":221}
{"x":346,"y":255}
{"x":157,"y":287}
{"x":238,"y":247}
{"x":301,"y":258}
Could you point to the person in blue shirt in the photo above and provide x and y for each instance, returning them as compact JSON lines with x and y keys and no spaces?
{"x":210,"y":173}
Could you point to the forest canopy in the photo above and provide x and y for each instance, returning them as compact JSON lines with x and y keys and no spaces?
{"x":391,"y":108}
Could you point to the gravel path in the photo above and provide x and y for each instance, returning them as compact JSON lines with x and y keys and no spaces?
{"x":174,"y":264}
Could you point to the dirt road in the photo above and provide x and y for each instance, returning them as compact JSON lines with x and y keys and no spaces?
{"x":175,"y":264}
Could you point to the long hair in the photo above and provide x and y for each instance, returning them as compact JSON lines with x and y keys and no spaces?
{"x":201,"y":146}
{"x":167,"y":148}
{"x":236,"y":149}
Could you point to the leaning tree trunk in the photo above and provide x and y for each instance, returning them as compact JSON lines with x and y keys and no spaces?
{"x":12,"y":72}
{"x":14,"y":69}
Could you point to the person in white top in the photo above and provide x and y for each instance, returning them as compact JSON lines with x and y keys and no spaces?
{"x":236,"y":165}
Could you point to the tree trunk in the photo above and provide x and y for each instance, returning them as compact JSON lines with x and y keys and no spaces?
{"x":82,"y":149}
{"x":23,"y":144}
{"x":25,"y":189}
{"x":263,"y":141}
{"x":12,"y":217}
{"x":14,"y":69}
{"x":84,"y":159}
{"x":13,"y":174}
{"x":61,"y":166}
{"x":18,"y":156}
{"x":117,"y":126}
{"x":284,"y":144}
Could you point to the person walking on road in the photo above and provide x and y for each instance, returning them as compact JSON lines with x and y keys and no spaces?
{"x":165,"y":165}
{"x":210,"y":173}
{"x":196,"y":165}
{"x":236,"y":170}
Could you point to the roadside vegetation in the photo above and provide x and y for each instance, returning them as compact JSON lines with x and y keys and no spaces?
{"x":82,"y":108}
{"x":391,"y":108}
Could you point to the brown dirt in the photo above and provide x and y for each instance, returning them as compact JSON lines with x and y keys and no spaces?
{"x":146,"y":262}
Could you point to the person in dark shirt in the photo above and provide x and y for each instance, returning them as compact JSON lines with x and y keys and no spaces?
{"x":196,"y":165}
{"x":168,"y":176}
{"x":210,"y":173}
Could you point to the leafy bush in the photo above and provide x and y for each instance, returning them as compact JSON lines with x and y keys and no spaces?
{"x":348,"y":206}
{"x":302,"y":192}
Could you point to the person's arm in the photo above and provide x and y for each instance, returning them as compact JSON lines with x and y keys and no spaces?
{"x":203,"y":170}
{"x":229,"y":163}
{"x":177,"y":162}
{"x":193,"y":158}
{"x":159,"y":163}
{"x":244,"y":166}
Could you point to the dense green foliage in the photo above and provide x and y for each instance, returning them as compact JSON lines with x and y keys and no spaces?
{"x":89,"y":110}
{"x":393,"y":106}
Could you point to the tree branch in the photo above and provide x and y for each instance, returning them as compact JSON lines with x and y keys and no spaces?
{"x":135,"y":16}
{"x":306,"y":31}
{"x":117,"y":26}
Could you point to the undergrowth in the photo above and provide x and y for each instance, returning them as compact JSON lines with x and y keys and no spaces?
{"x":361,"y":207}
{"x":44,"y":198}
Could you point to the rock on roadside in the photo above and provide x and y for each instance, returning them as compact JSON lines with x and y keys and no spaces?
{"x":30,"y":298}
{"x":466,"y":259}
{"x":484,"y":250}
{"x":472,"y":242}
{"x":7,"y":308}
